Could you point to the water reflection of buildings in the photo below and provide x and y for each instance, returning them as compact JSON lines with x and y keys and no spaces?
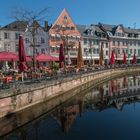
{"x":67,"y":114}
{"x":115,"y":93}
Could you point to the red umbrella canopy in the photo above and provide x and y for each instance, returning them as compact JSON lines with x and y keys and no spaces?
{"x":43,"y":57}
{"x":61,"y":56}
{"x":134,"y":59}
{"x":124,"y":58}
{"x":8,"y":56}
{"x":112,"y":59}
{"x":22,"y":55}
{"x":54,"y":58}
{"x":61,"y":53}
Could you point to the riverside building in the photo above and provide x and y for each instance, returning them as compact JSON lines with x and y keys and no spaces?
{"x":9,"y":38}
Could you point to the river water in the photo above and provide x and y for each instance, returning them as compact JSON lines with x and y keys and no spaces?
{"x":110,"y":111}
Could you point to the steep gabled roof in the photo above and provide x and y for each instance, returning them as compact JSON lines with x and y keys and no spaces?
{"x":81,"y":28}
{"x":107,"y":27}
{"x":16,"y":26}
{"x":133,"y":31}
{"x":112,"y":28}
{"x":21,"y":26}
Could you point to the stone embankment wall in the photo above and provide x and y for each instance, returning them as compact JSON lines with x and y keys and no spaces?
{"x":18,"y":100}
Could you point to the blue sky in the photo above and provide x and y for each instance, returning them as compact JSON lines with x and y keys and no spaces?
{"x":88,"y":12}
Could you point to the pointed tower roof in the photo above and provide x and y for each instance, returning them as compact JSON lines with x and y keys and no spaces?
{"x":65,"y":19}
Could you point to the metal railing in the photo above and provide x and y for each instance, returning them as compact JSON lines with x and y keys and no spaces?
{"x":48,"y":79}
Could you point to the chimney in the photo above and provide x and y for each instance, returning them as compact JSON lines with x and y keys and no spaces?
{"x":46,"y":24}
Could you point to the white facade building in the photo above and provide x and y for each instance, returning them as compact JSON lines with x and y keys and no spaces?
{"x":91,"y":44}
{"x":9,"y":38}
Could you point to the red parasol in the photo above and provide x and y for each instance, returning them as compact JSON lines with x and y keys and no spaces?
{"x":124,"y":58}
{"x":112,"y":59}
{"x":61,"y":56}
{"x":134,"y":59}
{"x":22,"y":55}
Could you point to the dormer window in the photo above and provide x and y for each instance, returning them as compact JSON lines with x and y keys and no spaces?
{"x":109,"y":33}
{"x":65,"y":17}
{"x":72,"y":28}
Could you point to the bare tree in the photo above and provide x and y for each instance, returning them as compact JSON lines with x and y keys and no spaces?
{"x":33,"y":19}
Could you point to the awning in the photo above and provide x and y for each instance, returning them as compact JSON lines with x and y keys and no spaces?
{"x":8,"y":56}
{"x":46,"y":57}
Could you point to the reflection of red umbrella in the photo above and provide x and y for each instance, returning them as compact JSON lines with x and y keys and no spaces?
{"x":124,"y":82}
{"x":112,"y":86}
{"x":22,"y":55}
{"x":61,"y":56}
{"x":134,"y":80}
{"x":112,"y":59}
{"x":134,"y":59}
{"x":124,"y":58}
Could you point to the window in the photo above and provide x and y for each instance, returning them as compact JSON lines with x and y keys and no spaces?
{"x":106,"y":52}
{"x":106,"y":45}
{"x":118,"y":51}
{"x":138,"y":43}
{"x":27,"y":40}
{"x":17,"y":35}
{"x":97,"y":51}
{"x":118,"y":43}
{"x":90,"y":51}
{"x":72,"y":28}
{"x":42,"y":40}
{"x":67,"y":28}
{"x":130,"y":51}
{"x":85,"y":50}
{"x":139,"y":52}
{"x":6,"y":35}
{"x":113,"y":43}
{"x":16,"y":49}
{"x":43,"y":51}
{"x":95,"y":42}
{"x":53,"y":49}
{"x":6,"y":47}
{"x":127,"y":42}
{"x":53,"y":38}
{"x":94,"y":51}
{"x":85,"y":41}
{"x":134,"y":43}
